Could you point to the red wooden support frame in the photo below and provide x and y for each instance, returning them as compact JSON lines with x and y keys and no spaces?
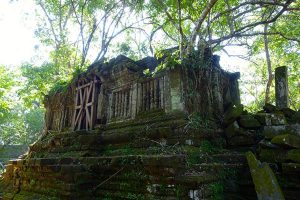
{"x":85,"y":105}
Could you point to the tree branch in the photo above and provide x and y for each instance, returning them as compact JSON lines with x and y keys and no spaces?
{"x":201,"y":19}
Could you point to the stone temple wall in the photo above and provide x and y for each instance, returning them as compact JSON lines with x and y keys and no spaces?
{"x":118,"y":91}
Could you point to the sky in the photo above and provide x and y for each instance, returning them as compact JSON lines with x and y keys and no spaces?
{"x":16,"y":32}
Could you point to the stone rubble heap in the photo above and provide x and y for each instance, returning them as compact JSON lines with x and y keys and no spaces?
{"x":274,"y":134}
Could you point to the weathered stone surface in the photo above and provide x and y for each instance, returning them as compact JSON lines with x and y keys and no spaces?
{"x":233,"y":113}
{"x":290,"y":168}
{"x":267,"y":144}
{"x":293,"y":129}
{"x":248,"y":121}
{"x":266,"y":185}
{"x":269,"y":108}
{"x":270,"y":119}
{"x":232,"y":129}
{"x":272,"y":131}
{"x":273,"y":155}
{"x":281,"y":87}
{"x":296,"y":117}
{"x":289,"y":113}
{"x":293,"y":155}
{"x":241,"y":140}
{"x":287,"y":140}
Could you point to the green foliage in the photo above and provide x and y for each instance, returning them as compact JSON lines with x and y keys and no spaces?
{"x":196,"y":155}
{"x":59,"y":86}
{"x":217,"y":191}
{"x":207,"y":146}
{"x":6,"y":84}
{"x":197,"y":122}
{"x":22,"y":125}
{"x":37,"y":82}
{"x":134,"y":46}
{"x":170,"y":59}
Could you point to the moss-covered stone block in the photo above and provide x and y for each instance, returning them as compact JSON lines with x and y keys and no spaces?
{"x":265,"y":143}
{"x":233,"y":113}
{"x":232,"y":129}
{"x":287,"y":140}
{"x":271,"y":131}
{"x":293,"y":155}
{"x":296,"y":117}
{"x":273,"y":155}
{"x":265,"y":182}
{"x":269,"y":108}
{"x":249,"y":122}
{"x":290,"y":168}
{"x":269,"y":119}
{"x":241,"y":140}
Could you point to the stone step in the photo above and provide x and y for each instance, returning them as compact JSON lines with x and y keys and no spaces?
{"x":195,"y":179}
{"x":146,"y":160}
{"x":216,"y":167}
{"x":229,"y":158}
{"x":111,"y":194}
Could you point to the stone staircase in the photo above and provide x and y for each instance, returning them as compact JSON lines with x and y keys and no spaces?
{"x":120,"y":177}
{"x":158,"y":159}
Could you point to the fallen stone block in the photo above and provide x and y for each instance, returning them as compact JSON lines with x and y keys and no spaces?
{"x":233,"y":113}
{"x":268,"y":144}
{"x":269,"y":108}
{"x":293,"y":155}
{"x":289,"y":113}
{"x":290,"y":168}
{"x":232,"y":129}
{"x":264,"y":179}
{"x":287,"y":140}
{"x":296,"y":117}
{"x":248,"y":121}
{"x":273,"y":155}
{"x":271,"y":131}
{"x":269,"y":119}
{"x":241,"y":140}
{"x":293,"y":129}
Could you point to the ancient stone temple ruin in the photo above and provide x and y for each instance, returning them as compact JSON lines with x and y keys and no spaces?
{"x":120,"y":133}
{"x":118,"y":91}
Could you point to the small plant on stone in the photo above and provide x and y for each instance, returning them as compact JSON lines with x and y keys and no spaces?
{"x":217,"y":191}
{"x":197,"y":122}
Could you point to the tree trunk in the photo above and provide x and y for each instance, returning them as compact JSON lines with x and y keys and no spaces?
{"x":269,"y":66}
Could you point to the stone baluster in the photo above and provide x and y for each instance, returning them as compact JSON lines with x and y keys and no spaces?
{"x":122,"y":103}
{"x":117,"y":104}
{"x":161,"y":92}
{"x":145,"y":96}
{"x":148,"y":95}
{"x":110,"y":106}
{"x":152,"y":93}
{"x":137,"y":99}
{"x":155,"y":93}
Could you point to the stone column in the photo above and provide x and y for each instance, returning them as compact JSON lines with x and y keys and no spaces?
{"x":175,"y":86}
{"x":281,"y":87}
